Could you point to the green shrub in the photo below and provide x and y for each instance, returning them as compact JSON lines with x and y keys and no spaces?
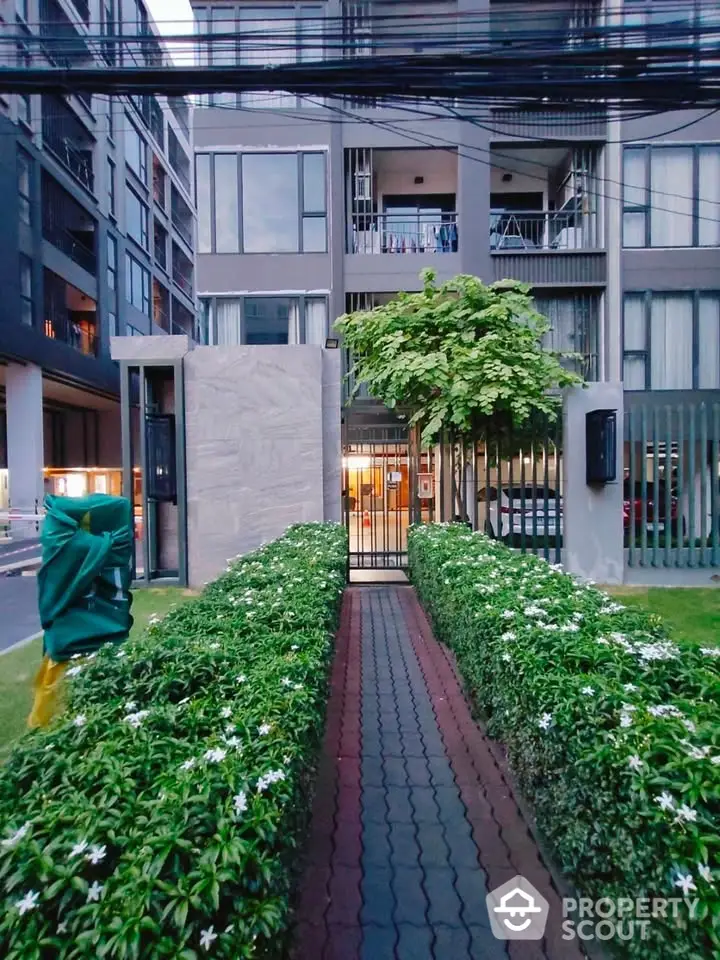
{"x":159,"y":817}
{"x":612,"y":727}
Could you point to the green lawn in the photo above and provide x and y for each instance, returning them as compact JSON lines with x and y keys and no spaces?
{"x":692,"y":612}
{"x":18,"y":668}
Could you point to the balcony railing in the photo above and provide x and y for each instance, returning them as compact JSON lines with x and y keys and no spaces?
{"x":404,"y":233}
{"x":183,"y":227}
{"x":65,"y":241}
{"x":79,"y":336}
{"x":543,"y":231}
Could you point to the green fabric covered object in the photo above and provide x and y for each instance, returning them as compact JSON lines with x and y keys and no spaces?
{"x":84,"y":581}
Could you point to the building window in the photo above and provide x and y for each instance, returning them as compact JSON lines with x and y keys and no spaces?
{"x":111,"y":262}
{"x":111,"y":187}
{"x":574,"y":326}
{"x":136,"y":216}
{"x":24,"y":185}
{"x":283,"y":207}
{"x":671,"y":341}
{"x":671,"y":196}
{"x":266,"y":319}
{"x":135,"y":152}
{"x":26,"y":296}
{"x":110,"y":119}
{"x":137,"y":285}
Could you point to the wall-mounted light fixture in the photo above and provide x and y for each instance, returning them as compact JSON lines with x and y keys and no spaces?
{"x":332,"y":343}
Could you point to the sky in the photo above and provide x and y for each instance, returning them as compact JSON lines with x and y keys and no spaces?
{"x":173,"y":17}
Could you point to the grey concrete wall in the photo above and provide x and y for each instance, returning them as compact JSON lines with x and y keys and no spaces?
{"x":592,"y":516}
{"x":259,"y":457}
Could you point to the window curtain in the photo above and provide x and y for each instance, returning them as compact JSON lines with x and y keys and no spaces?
{"x":671,"y":179}
{"x":709,"y":197}
{"x":228,"y":323}
{"x":671,"y":342}
{"x":709,"y":339}
{"x":293,"y":321}
{"x":316,"y":321}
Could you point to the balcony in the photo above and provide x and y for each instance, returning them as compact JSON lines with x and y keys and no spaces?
{"x":182,"y":271}
{"x":374,"y":27}
{"x":181,"y":216}
{"x":413,"y":232}
{"x":70,"y":316}
{"x":545,"y":222}
{"x":160,"y":237}
{"x":179,"y":160}
{"x":159,"y":181}
{"x":67,"y":225}
{"x":65,"y":137}
{"x":183,"y":320}
{"x":161,"y":306}
{"x":181,"y":112}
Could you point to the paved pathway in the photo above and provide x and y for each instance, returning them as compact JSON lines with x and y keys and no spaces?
{"x":413,"y":819}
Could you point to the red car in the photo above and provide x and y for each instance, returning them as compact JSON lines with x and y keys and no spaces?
{"x":657,"y":504}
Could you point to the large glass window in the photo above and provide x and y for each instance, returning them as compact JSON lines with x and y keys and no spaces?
{"x":24,"y":173}
{"x":204,"y":202}
{"x":26,"y":297}
{"x":111,"y":262}
{"x":267,"y":319}
{"x":137,"y":285}
{"x":136,"y":215}
{"x":671,"y":196}
{"x":111,"y":187}
{"x":270,"y":203}
{"x":671,"y":341}
{"x":227,"y":227}
{"x":135,"y":151}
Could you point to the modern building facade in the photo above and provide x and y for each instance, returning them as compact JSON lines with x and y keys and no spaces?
{"x":310,"y":209}
{"x":97,"y":240}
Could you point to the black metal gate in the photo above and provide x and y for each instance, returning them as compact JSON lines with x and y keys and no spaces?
{"x":378,"y":480}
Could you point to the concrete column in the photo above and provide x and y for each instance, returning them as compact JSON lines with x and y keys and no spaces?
{"x":592,"y":516}
{"x":24,"y":404}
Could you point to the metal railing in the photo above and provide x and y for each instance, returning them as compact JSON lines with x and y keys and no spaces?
{"x":68,"y":331}
{"x":183,"y":227}
{"x":404,"y":233}
{"x":77,"y":161}
{"x":69,"y":245}
{"x":182,"y":281}
{"x":543,"y":230}
{"x":671,"y":503}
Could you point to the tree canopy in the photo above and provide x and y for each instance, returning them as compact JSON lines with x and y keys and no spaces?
{"x":457,"y":355}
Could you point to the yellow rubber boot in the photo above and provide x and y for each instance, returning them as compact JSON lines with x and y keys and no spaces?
{"x":47,"y":688}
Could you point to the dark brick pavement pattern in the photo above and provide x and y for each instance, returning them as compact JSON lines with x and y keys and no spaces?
{"x":413,"y":819}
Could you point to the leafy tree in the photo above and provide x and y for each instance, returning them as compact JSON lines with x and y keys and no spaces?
{"x":458,"y":356}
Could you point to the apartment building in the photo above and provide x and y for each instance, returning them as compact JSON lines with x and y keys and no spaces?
{"x":97,"y":240}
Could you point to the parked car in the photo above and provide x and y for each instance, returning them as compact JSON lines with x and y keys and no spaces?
{"x":656,"y":508}
{"x":522,"y":509}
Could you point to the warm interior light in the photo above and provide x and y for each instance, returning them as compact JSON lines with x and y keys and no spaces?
{"x":357,"y":462}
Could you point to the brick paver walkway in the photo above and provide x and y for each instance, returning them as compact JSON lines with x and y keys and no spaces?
{"x":413,"y":819}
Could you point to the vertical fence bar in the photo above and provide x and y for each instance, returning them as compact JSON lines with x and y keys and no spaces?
{"x":558,"y":492}
{"x":498,"y":467}
{"x":668,"y":556}
{"x":632,"y":480}
{"x":488,"y":494}
{"x":703,"y":485}
{"x":523,"y":507}
{"x":533,"y":466}
{"x":656,"y":490}
{"x":692,"y":529}
{"x":714,"y":481}
{"x":643,"y":488}
{"x":511,"y":491}
{"x":546,"y":487}
{"x":681,"y":488}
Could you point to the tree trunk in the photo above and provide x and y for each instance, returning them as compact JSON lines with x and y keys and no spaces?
{"x":413,"y":471}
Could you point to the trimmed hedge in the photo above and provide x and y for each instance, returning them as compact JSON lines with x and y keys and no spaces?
{"x":612,"y":726}
{"x":159,"y":817}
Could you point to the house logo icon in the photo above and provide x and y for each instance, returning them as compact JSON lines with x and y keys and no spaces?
{"x":517,"y":911}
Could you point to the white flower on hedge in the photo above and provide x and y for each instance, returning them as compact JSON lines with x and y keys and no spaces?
{"x":79,"y":848}
{"x":295,"y":646}
{"x":62,"y":928}
{"x":242,"y":678}
{"x":226,"y":713}
{"x":264,"y":729}
{"x":216,"y":755}
{"x":705,"y":872}
{"x":630,"y":688}
{"x":121,"y":653}
{"x":207,"y":938}
{"x":286,"y":682}
{"x":697,"y":753}
{"x":94,"y":892}
{"x":685,"y":882}
{"x":29,"y":902}
{"x":508,"y":635}
{"x":268,"y":778}
{"x":130,"y":706}
{"x":73,"y":671}
{"x":76,"y":656}
{"x":635,"y":763}
{"x":234,"y":743}
{"x":665,"y":800}
{"x":297,"y":686}
{"x":588,"y":691}
{"x":506,"y":657}
{"x":603,"y":641}
{"x":569,"y":628}
{"x":625,"y":720}
{"x":12,"y":841}
{"x":689,"y":725}
{"x":135,"y":719}
{"x":189,"y":764}
{"x":710,"y":651}
{"x":96,"y":855}
{"x":214,"y":646}
{"x":686,"y":814}
{"x":181,"y":703}
{"x":716,"y":760}
{"x":153,"y":619}
{"x":545,"y":721}
{"x":240,"y":802}
{"x":80,"y":720}
{"x":534,"y":611}
{"x":508,"y":615}
{"x":664,"y":710}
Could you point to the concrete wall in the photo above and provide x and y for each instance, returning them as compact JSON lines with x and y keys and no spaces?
{"x":262,"y":427}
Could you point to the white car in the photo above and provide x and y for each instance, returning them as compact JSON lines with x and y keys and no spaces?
{"x":531,"y":510}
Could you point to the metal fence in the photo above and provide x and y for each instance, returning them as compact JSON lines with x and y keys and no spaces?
{"x":671,"y":508}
